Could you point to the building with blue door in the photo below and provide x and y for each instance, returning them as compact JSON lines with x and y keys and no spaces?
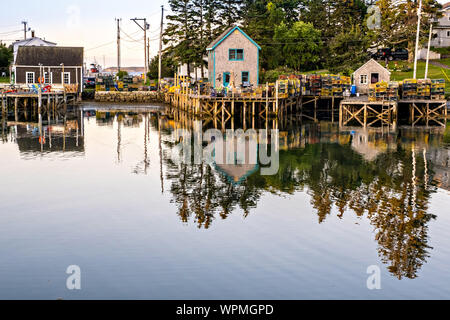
{"x":233,"y":59}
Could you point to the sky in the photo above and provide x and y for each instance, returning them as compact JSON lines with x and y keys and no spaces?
{"x":89,"y":24}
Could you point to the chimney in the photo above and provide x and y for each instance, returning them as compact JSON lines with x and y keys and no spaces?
{"x":32,"y":33}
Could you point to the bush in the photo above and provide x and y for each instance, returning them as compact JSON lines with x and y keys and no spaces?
{"x":122,"y":74}
{"x":273,"y":75}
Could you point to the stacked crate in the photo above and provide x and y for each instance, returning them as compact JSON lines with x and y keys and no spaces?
{"x":392,"y":91}
{"x":315,"y":85}
{"x":378,"y":91}
{"x":347,"y":83}
{"x":127,"y":81}
{"x":327,"y":85}
{"x":437,"y":89}
{"x":409,"y":89}
{"x":423,"y":89}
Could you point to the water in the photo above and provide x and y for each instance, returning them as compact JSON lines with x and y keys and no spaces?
{"x":107,"y":197}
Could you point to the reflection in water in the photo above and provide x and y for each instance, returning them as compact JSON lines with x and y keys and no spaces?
{"x":386,"y":177}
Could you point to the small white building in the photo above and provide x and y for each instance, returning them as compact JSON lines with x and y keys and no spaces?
{"x":31,"y":42}
{"x":442,"y":30}
{"x":195,"y":72}
{"x":369,"y":73}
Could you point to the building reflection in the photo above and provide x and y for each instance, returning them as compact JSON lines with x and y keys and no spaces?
{"x":49,"y":132}
{"x":387,"y":177}
{"x":384,"y":176}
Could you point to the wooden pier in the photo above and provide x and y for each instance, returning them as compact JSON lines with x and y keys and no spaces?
{"x":36,"y":103}
{"x":386,"y":113}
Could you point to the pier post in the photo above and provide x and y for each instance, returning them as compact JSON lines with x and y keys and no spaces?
{"x":276,"y":97}
{"x":4,"y":111}
{"x":365,"y":115}
{"x":16,"y":111}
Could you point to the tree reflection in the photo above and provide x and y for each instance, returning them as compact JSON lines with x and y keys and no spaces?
{"x":391,"y":188}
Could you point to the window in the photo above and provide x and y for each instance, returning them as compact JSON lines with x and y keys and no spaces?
{"x":30,"y":77}
{"x":374,"y":78}
{"x":66,"y":77}
{"x":47,"y":79}
{"x":448,"y":33}
{"x":363,"y":79}
{"x":236,"y":54}
{"x":245,"y":76}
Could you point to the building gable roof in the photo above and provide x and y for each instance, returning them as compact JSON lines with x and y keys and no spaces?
{"x":371,"y":61}
{"x":226,"y":34}
{"x":50,"y":56}
{"x":27,"y":42}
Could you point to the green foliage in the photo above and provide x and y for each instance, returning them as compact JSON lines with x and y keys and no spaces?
{"x":6,"y":56}
{"x":273,"y":75}
{"x":298,"y":34}
{"x":168,"y":67}
{"x":300,"y":45}
{"x":347,"y":51}
{"x":121,"y":74}
{"x":399,"y":23}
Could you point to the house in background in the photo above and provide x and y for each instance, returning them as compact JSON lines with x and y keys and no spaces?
{"x":31,"y":42}
{"x":56,"y":65}
{"x":369,"y":73}
{"x":442,"y":30}
{"x":195,"y":72}
{"x":233,"y":58}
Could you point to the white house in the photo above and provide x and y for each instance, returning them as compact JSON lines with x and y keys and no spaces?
{"x":442,"y":30}
{"x":31,"y":42}
{"x":195,"y":72}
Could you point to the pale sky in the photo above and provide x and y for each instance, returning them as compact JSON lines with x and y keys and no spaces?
{"x":88,"y":24}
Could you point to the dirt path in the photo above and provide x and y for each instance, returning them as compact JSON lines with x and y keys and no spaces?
{"x":439,"y":65}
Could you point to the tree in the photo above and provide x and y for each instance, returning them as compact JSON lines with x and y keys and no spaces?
{"x":6,"y":56}
{"x":122,"y":74}
{"x":168,"y":67}
{"x":348,"y":50}
{"x":398,"y":23}
{"x":180,"y":34}
{"x":300,"y":45}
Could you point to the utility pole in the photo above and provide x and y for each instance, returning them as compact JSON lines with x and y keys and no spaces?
{"x":160,"y":47}
{"x":428,"y":52}
{"x":419,"y":14}
{"x":148,"y":53}
{"x":25,"y":23}
{"x":144,"y":28}
{"x":118,"y":44}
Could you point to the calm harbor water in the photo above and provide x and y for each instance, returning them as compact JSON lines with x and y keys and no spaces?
{"x":102,"y":191}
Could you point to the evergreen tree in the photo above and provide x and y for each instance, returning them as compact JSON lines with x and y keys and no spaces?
{"x":179,"y":34}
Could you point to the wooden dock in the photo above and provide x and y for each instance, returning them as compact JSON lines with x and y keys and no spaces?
{"x":30,"y":103}
{"x":386,"y":113}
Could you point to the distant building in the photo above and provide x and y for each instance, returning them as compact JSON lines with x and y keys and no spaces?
{"x":31,"y":42}
{"x":369,"y":73}
{"x":27,"y":70}
{"x":195,"y":72}
{"x":442,"y":30}
{"x":233,"y":58}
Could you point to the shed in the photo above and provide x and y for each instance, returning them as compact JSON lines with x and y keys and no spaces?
{"x":57,"y":65}
{"x":368,"y":73}
{"x":233,"y":59}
